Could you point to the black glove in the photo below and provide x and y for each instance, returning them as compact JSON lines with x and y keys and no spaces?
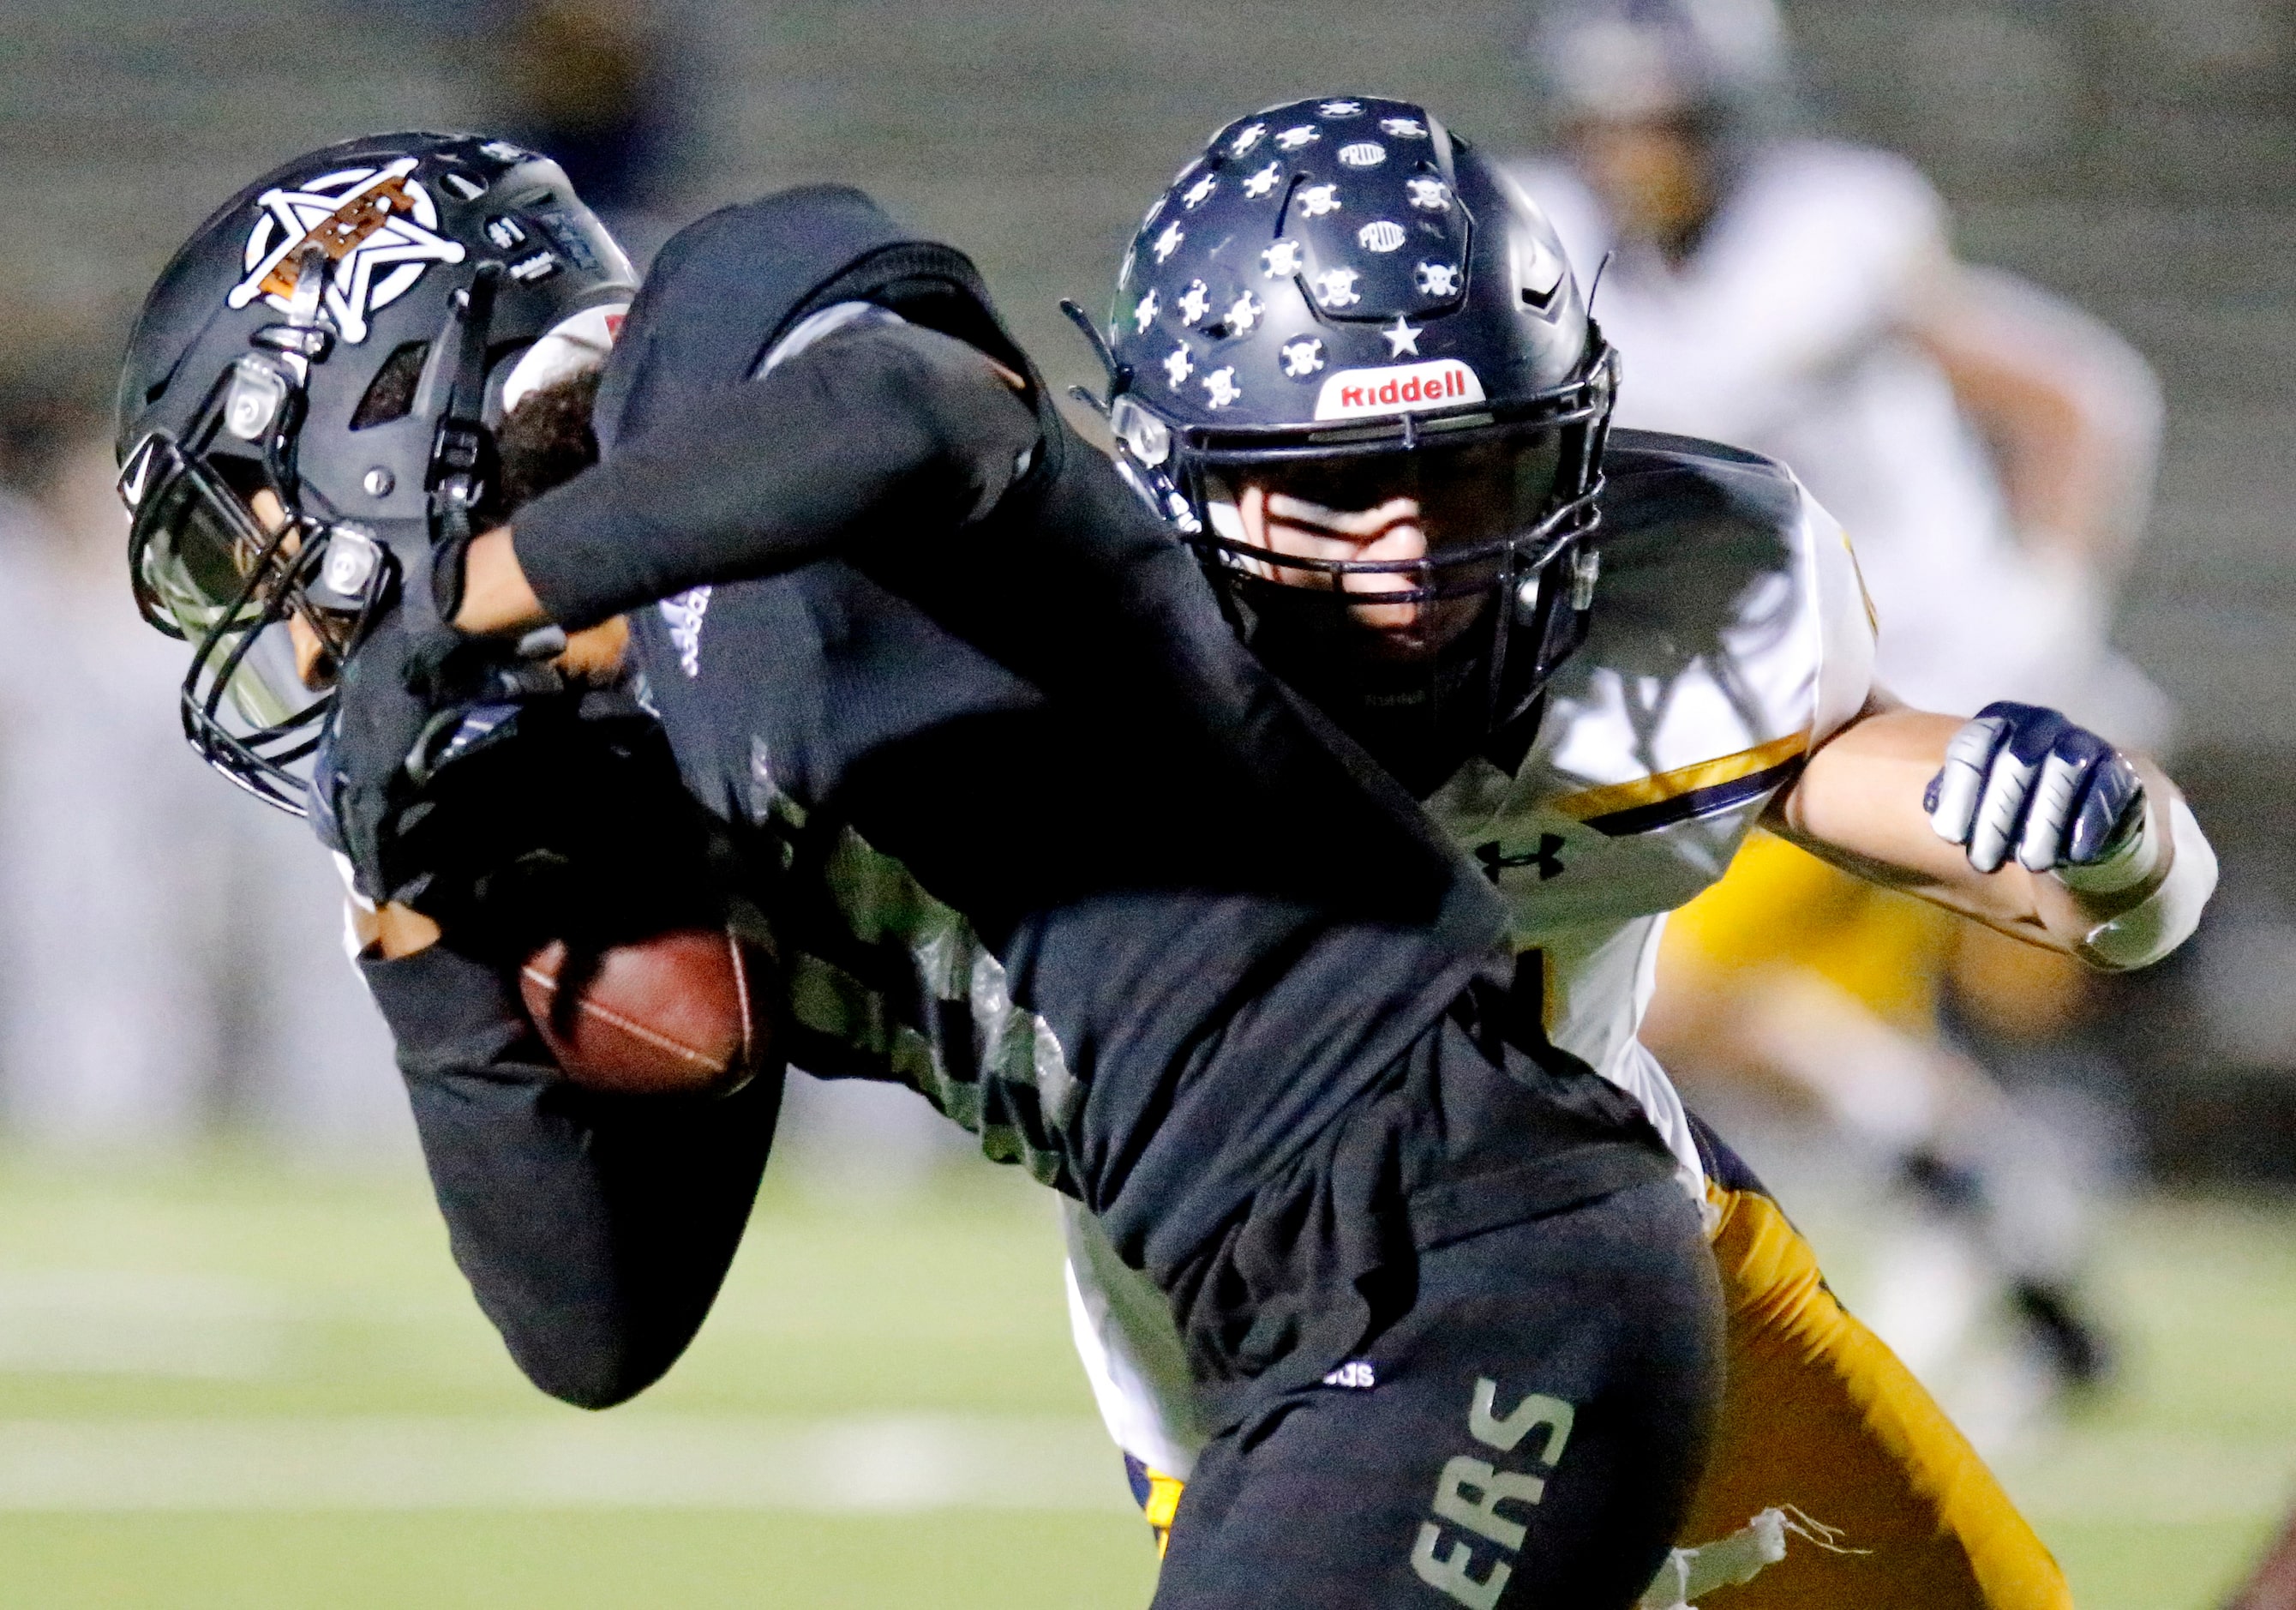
{"x":483,"y":792}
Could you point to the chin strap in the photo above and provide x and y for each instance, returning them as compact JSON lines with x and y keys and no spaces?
{"x":462,"y":460}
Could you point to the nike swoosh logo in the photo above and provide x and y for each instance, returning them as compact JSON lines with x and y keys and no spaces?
{"x":139,"y":471}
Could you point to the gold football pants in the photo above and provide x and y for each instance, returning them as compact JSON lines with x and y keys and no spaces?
{"x":1818,"y":1414}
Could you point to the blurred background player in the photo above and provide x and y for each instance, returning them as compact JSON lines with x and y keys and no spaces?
{"x":1990,"y":451}
{"x":146,"y":996}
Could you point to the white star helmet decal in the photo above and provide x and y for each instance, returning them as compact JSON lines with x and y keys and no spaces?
{"x":1219,"y":385}
{"x":1316,"y":200}
{"x":376,"y":225}
{"x":1336,"y":288}
{"x":1280,"y":260}
{"x":1177,"y":367}
{"x":1258,"y":184}
{"x":1403,"y":339}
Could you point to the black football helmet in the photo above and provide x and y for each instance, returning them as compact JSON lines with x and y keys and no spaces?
{"x":343,"y":335}
{"x":1341,"y":299}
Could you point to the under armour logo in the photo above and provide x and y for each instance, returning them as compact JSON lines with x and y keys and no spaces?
{"x":1545,"y":858}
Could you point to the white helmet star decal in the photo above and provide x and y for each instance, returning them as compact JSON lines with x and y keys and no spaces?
{"x":1403,"y":339}
{"x":377,"y":226}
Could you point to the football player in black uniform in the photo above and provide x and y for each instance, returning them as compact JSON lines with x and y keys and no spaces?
{"x":977,"y":750}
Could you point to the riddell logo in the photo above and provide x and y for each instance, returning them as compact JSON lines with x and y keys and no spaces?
{"x":1400,"y":389}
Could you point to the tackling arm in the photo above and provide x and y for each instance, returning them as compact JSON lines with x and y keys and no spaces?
{"x":883,"y":430}
{"x":2018,"y":819}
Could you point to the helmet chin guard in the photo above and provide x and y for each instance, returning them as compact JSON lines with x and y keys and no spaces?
{"x":1341,"y":303}
{"x":308,"y":407}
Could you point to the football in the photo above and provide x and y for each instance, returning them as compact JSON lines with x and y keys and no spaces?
{"x":679,"y":1014}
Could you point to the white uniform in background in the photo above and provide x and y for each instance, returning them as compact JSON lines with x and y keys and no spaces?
{"x":1729,"y":635}
{"x":1783,"y":333}
{"x":150,"y":915}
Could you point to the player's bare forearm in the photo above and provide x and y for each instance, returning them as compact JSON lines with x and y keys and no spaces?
{"x":496,"y":597}
{"x":393,"y":930}
{"x":1860,"y":804}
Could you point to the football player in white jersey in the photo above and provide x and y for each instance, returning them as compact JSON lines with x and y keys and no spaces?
{"x":1990,"y":450}
{"x":1359,"y":432}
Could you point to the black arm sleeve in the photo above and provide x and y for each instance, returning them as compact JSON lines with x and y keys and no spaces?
{"x":893,"y":429}
{"x":594,"y":1230}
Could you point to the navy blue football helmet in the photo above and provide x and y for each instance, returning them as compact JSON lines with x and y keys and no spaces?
{"x":343,"y":335}
{"x":1339,"y":300}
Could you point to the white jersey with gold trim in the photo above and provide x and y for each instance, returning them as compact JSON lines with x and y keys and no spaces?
{"x":1730,"y":635}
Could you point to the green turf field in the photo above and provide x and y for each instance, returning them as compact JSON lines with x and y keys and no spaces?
{"x":238,"y":1384}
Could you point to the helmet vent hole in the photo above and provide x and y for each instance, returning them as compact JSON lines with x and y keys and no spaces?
{"x":390,"y":394}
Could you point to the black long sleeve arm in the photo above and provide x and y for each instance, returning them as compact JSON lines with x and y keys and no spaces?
{"x":594,"y":1230}
{"x":891,"y":429}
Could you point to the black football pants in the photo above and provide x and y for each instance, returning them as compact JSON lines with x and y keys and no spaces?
{"x":1528,"y":1434}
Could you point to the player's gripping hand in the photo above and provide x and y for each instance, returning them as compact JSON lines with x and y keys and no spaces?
{"x":481,"y":789}
{"x":2023,"y":780}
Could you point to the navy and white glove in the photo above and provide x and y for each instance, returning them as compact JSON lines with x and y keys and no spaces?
{"x":2023,"y":780}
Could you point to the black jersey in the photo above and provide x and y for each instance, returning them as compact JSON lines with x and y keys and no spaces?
{"x":885,"y":603}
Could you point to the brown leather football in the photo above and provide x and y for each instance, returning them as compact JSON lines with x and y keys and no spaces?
{"x":680,"y":1013}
